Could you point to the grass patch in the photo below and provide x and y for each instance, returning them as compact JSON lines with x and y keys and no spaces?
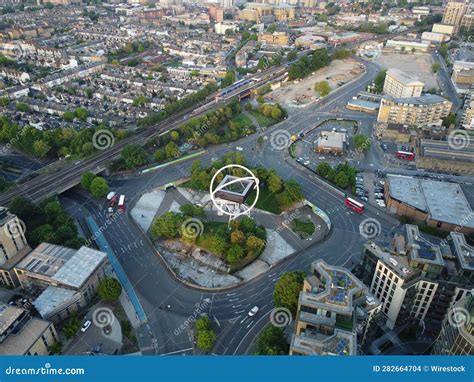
{"x":302,"y":228}
{"x":266,"y":201}
{"x":263,"y":120}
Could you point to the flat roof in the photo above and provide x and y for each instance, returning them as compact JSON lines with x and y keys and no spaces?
{"x":463,"y":251}
{"x":51,"y":299}
{"x":331,"y":139}
{"x":425,"y":99}
{"x":363,"y":103}
{"x":443,"y":201}
{"x":8,"y":315}
{"x":21,"y":342}
{"x":79,"y":268}
{"x":422,"y":250}
{"x":404,"y":78}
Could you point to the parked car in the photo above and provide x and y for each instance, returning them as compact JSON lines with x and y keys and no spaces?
{"x":85,"y":326}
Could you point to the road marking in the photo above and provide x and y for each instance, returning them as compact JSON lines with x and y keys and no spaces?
{"x":177,"y":351}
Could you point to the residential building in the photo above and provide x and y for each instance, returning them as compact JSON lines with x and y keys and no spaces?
{"x":463,"y":75}
{"x":68,"y":278}
{"x":443,"y":205}
{"x":13,"y":247}
{"x":335,"y":310}
{"x":454,"y":12}
{"x":457,"y":337}
{"x":402,"y":85}
{"x":216,"y":13}
{"x":21,"y":334}
{"x":467,"y":120}
{"x":275,"y":38}
{"x":415,"y":111}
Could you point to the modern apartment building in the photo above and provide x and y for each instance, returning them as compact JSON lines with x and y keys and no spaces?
{"x":457,"y":334}
{"x":13,"y":246}
{"x":401,"y":85}
{"x":419,"y":111}
{"x":335,"y":310}
{"x":67,"y":277}
{"x":463,"y":76}
{"x":21,"y":334}
{"x":454,"y":13}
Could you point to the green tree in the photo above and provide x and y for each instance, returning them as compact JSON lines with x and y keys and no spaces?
{"x":22,"y":107}
{"x":166,"y":226}
{"x":228,"y":80}
{"x":323,"y":169}
{"x":287,"y":290}
{"x":205,"y":335}
{"x":71,"y":327}
{"x":174,"y":135}
{"x":362,"y":143}
{"x":323,"y":88}
{"x":56,"y":348}
{"x":4,"y":101}
{"x":274,"y":183}
{"x":271,"y":341}
{"x":449,"y":120}
{"x":134,"y":156}
{"x":81,"y":113}
{"x":68,"y":116}
{"x":341,"y":180}
{"x":172,"y":150}
{"x":160,"y":155}
{"x":109,"y":289}
{"x":86,"y":179}
{"x":99,"y":187}
{"x":379,"y":81}
{"x":254,"y":244}
{"x":41,"y":148}
{"x":435,"y":67}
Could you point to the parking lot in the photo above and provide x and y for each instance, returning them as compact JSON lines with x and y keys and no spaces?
{"x":370,"y":188}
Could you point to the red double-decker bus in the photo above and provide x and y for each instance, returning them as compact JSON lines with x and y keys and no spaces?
{"x":354,"y":205}
{"x":406,"y":155}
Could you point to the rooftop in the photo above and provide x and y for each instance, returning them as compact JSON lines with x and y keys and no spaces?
{"x":443,"y":201}
{"x":51,"y":299}
{"x":398,"y":264}
{"x":463,"y":251}
{"x":404,"y":78}
{"x":340,"y":343}
{"x":421,"y":250}
{"x":423,"y":100}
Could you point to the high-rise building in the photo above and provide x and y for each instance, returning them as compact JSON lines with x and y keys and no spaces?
{"x":457,"y":332}
{"x":335,"y":313}
{"x":454,"y":13}
{"x":13,"y":246}
{"x":226,"y":3}
{"x":401,"y":85}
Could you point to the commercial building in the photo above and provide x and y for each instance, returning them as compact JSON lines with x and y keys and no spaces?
{"x":400,"y":45}
{"x":467,"y":120}
{"x":402,"y":85}
{"x":21,"y":334}
{"x":331,"y":142}
{"x":435,"y":38}
{"x":442,"y":205}
{"x":457,"y":338}
{"x":454,"y":12}
{"x":416,"y":111}
{"x":446,"y":156}
{"x":13,"y":247}
{"x":335,"y":310}
{"x":67,"y":277}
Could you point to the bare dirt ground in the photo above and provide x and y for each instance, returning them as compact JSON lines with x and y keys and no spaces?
{"x":302,"y":92}
{"x":418,"y":64}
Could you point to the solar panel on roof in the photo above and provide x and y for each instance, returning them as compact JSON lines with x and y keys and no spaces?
{"x":427,"y":255}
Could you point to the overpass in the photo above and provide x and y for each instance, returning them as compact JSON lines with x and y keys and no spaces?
{"x":43,"y":185}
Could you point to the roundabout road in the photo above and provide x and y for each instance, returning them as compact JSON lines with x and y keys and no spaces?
{"x":157,"y":288}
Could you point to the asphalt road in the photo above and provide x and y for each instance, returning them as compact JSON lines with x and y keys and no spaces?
{"x":157,"y":288}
